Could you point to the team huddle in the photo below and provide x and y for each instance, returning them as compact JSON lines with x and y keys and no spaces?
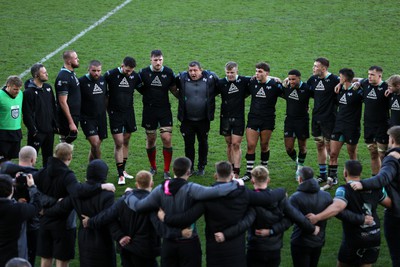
{"x":143,"y":217}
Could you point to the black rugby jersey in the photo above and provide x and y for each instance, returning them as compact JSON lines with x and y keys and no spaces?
{"x":233,"y":95}
{"x":361,"y":202}
{"x":68,"y":84}
{"x":93,"y":94}
{"x":324,"y":96}
{"x":264,"y":97}
{"x":349,"y":107}
{"x":155,"y":86}
{"x":376,"y":111}
{"x":395,"y":110}
{"x":297,"y":100}
{"x":120,"y":90}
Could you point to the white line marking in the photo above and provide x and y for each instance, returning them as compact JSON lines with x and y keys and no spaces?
{"x":82,"y":33}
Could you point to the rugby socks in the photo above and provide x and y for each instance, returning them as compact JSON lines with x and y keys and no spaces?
{"x":250,"y":159}
{"x":151,"y":154}
{"x":124,"y":163}
{"x":332,"y":171}
{"x":322,"y":171}
{"x":301,"y":158}
{"x":120,"y":168}
{"x":293,"y":154}
{"x":167,"y":153}
{"x":264,"y":159}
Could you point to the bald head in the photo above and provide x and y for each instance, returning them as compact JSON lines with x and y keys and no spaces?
{"x":27,"y":156}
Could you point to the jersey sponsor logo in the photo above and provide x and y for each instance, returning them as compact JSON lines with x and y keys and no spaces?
{"x":320,"y":86}
{"x":97,"y":90}
{"x":124,"y":83}
{"x":372,"y":94}
{"x":395,"y":105}
{"x":294,"y":95}
{"x":156,"y":82}
{"x":48,"y":89}
{"x":233,"y":89}
{"x":76,"y":80}
{"x":36,"y":92}
{"x":261,"y":93}
{"x":343,"y":100}
{"x":163,"y":76}
{"x":15,"y":112}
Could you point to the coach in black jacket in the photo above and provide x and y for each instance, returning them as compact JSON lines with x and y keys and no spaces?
{"x":39,"y":112}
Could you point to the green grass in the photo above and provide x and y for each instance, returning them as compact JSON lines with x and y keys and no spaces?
{"x":287,"y":34}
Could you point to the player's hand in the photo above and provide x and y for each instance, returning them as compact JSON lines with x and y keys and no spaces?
{"x":262,"y":232}
{"x":108,"y":187}
{"x":387,"y":92}
{"x":317,"y":229}
{"x":85,"y":221}
{"x":239,"y":181}
{"x":368,"y":220}
{"x":187,"y":232}
{"x":337,"y":88}
{"x":29,"y":180}
{"x":356,"y":85}
{"x":161,"y":215}
{"x":285,"y":82}
{"x":312,"y":218}
{"x":219,"y":237}
{"x":356,"y":185}
{"x":125,"y":241}
{"x":72,"y":127}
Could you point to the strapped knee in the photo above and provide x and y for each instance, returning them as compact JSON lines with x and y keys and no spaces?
{"x":165,"y":130}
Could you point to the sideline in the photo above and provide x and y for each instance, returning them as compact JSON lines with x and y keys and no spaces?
{"x":82,"y":33}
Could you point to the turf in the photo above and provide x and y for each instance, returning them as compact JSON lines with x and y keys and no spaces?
{"x":286,"y":34}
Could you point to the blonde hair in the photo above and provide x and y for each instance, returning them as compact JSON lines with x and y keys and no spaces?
{"x":143,"y":179}
{"x":260,"y":174}
{"x":63,"y":151}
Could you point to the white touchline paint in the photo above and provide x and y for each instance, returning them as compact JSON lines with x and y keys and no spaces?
{"x":82,"y":33}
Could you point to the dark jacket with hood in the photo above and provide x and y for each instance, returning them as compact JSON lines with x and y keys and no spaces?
{"x":39,"y":108}
{"x":278,"y":216}
{"x":96,"y":247}
{"x":388,"y":177}
{"x":222,"y":214}
{"x":144,"y":228}
{"x":58,"y":181}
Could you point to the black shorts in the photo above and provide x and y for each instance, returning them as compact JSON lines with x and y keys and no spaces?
{"x":229,"y":126}
{"x":154,"y":117}
{"x":299,"y":128}
{"x":261,"y":124}
{"x":9,"y":150}
{"x":58,"y":244}
{"x":91,"y":127}
{"x":349,"y":134}
{"x":358,"y":256}
{"x":325,"y":129}
{"x":122,"y":122}
{"x":64,"y":125}
{"x":376,"y":133}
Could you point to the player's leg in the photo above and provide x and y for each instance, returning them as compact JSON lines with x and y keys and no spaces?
{"x":119,"y":156}
{"x":151,"y":149}
{"x":202,"y":131}
{"x":236,"y":153}
{"x":265,"y":137}
{"x":95,"y":142}
{"x":189,"y":139}
{"x":252,"y":140}
{"x":166,"y":138}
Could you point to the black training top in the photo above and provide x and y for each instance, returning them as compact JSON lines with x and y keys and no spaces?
{"x":324,"y":96}
{"x":68,"y":84}
{"x":93,"y":96}
{"x":233,"y":95}
{"x":264,"y":97}
{"x":297,"y":100}
{"x":376,"y":111}
{"x":395,"y":110}
{"x":155,"y":86}
{"x":349,"y":107}
{"x":120,"y":90}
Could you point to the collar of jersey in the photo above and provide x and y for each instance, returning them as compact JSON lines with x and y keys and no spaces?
{"x":151,"y":68}
{"x":64,"y":68}
{"x":268,"y":79}
{"x":237,"y":76}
